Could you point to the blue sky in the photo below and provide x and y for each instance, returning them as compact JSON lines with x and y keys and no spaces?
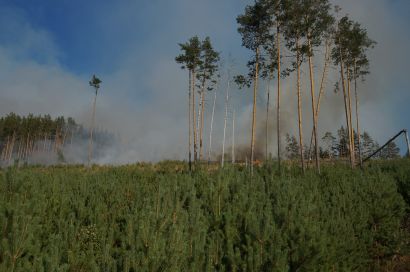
{"x":97,"y":35}
{"x":49,"y":49}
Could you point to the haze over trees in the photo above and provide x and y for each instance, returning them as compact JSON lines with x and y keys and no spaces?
{"x":38,"y":138}
{"x":283,"y":37}
{"x":309,"y":29}
{"x":307,"y":32}
{"x":253,"y":214}
{"x":336,"y":147}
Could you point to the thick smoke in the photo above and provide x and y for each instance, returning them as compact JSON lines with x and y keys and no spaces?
{"x":144,"y":96}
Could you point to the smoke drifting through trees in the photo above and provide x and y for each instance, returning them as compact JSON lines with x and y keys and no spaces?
{"x":41,"y":139}
{"x":141,"y":134}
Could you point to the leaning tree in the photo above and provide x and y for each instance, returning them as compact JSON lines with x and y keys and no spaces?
{"x":351,"y":45}
{"x":95,"y":83}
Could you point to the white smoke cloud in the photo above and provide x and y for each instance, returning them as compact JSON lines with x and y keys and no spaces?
{"x":144,"y":94}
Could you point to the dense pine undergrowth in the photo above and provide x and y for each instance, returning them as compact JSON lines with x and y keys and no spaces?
{"x":161,"y":218}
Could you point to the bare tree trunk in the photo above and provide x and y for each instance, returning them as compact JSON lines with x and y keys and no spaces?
{"x":225,"y":120}
{"x":210,"y":131}
{"x":346,"y":107}
{"x":267,"y":117}
{"x":19,"y":149}
{"x":357,"y":116}
{"x":278,"y":102}
{"x":13,"y":140}
{"x":64,"y":138}
{"x":233,"y":137}
{"x":51,"y":141}
{"x":201,"y":148}
{"x":321,"y":91}
{"x":299,"y":107}
{"x":198,"y":124}
{"x":45,"y":143}
{"x":255,"y":89}
{"x":5,"y":149}
{"x":34,"y":144}
{"x":90,"y":146}
{"x":55,"y":141}
{"x":189,"y":122}
{"x":193,"y":115}
{"x":27,"y":146}
{"x":352,"y":145}
{"x":31,"y":150}
{"x":312,"y":92}
{"x":38,"y":143}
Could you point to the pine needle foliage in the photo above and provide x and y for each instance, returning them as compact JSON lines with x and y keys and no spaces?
{"x":160,"y":217}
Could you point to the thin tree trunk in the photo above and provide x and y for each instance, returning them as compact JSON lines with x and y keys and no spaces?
{"x":193,"y":115}
{"x":56,"y":139}
{"x":299,"y":107}
{"x":6,"y":155}
{"x":267,"y":118}
{"x":233,"y":137}
{"x":45,"y":143}
{"x":352,"y":145}
{"x":198,"y":124}
{"x":32,"y":146}
{"x":90,"y":146}
{"x":201,"y":149}
{"x":38,"y":143}
{"x":50,"y":144}
{"x":278,"y":102}
{"x":210,"y":131}
{"x":26,"y":151}
{"x":5,"y":149}
{"x":357,"y":115}
{"x":345,"y":103}
{"x":255,"y":89}
{"x":13,"y":140}
{"x":64,"y":138}
{"x":225,"y":120}
{"x":189,"y":122}
{"x":312,"y":92}
{"x":321,"y":91}
{"x":19,"y":149}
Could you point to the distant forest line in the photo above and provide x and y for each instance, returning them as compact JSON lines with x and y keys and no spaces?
{"x":22,"y":137}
